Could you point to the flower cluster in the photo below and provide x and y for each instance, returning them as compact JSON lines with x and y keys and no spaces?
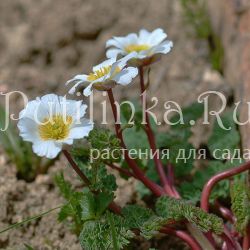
{"x":51,"y":121}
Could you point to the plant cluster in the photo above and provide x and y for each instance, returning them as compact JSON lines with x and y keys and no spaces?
{"x":182,"y":199}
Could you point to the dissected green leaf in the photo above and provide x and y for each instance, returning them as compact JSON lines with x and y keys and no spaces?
{"x":152,"y":226}
{"x":106,"y":144}
{"x":136,"y":215}
{"x":96,"y":172}
{"x":72,"y":209}
{"x":64,"y":186}
{"x":240,"y":198}
{"x":88,"y":206}
{"x":81,"y":206}
{"x":65,"y":212}
{"x":98,"y":234}
{"x":94,"y":205}
{"x":102,"y":202}
{"x":174,"y":209}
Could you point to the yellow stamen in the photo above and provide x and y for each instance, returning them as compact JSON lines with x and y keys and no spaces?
{"x":136,"y":47}
{"x":101,"y":72}
{"x":55,"y":128}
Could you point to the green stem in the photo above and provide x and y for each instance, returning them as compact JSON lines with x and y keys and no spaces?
{"x":114,"y":238}
{"x":18,"y":224}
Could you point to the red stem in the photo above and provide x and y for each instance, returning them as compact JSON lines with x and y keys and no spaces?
{"x":158,"y":191}
{"x":114,"y":207}
{"x":246,"y":239}
{"x":208,"y":189}
{"x":182,"y":235}
{"x":76,"y":168}
{"x":151,"y":139}
{"x":171,"y":179}
{"x":215,"y":179}
{"x":231,"y":244}
{"x":170,"y":174}
{"x":121,"y":170}
{"x":225,"y":212}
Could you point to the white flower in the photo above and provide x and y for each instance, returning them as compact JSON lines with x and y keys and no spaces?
{"x":106,"y":75}
{"x":51,"y":121}
{"x":147,"y":46}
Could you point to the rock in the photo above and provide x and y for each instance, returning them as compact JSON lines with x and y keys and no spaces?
{"x":231,"y":20}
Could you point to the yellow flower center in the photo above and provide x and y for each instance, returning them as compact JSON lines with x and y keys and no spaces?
{"x":102,"y":72}
{"x":99,"y":73}
{"x":136,"y":47}
{"x":55,"y":128}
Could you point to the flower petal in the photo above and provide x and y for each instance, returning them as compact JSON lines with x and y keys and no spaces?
{"x":79,"y":78}
{"x":123,"y":61}
{"x":88,"y":90}
{"x":116,"y":41}
{"x":156,"y":37}
{"x":163,"y":48}
{"x":143,"y":36}
{"x":75,"y":109}
{"x":81,"y":130}
{"x":52,"y":103}
{"x":34,"y":110}
{"x":105,"y":63}
{"x":49,"y":149}
{"x":28,"y":129}
{"x":113,"y":53}
{"x":126,"y":76}
{"x":130,"y":39}
{"x":73,"y":89}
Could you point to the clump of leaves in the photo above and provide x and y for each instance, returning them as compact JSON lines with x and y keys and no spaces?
{"x":82,"y":205}
{"x":170,"y":208}
{"x":109,"y":232}
{"x":20,"y":153}
{"x":104,"y":142}
{"x":97,"y":228}
{"x":240,"y":198}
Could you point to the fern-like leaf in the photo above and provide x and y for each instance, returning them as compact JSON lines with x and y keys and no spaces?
{"x":99,"y":234}
{"x":170,"y":208}
{"x":240,"y":205}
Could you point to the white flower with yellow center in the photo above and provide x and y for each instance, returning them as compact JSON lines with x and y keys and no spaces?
{"x":51,"y":121}
{"x":105,"y":75}
{"x":147,"y":46}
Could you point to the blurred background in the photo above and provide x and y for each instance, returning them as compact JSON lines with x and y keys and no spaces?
{"x":45,"y":43}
